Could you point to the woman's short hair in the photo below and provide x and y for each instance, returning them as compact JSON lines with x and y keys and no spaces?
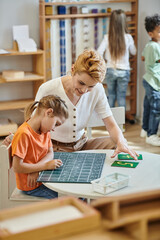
{"x":92,"y":63}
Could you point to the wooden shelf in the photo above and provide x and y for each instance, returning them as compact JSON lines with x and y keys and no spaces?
{"x":36,"y":75}
{"x":85,"y":2}
{"x":89,"y":15}
{"x":14,"y":104}
{"x":17,"y":53}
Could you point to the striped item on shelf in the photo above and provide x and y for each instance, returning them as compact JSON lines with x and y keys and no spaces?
{"x":84,"y":10}
{"x":104,"y":22}
{"x":62,"y":10}
{"x":73,"y":10}
{"x":95,"y":29}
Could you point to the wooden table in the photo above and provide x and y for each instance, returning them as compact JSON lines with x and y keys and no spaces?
{"x":146,"y":176}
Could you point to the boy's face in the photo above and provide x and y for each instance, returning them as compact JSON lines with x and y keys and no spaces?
{"x":155,"y":35}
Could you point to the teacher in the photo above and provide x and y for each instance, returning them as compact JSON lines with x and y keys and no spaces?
{"x":83,"y":93}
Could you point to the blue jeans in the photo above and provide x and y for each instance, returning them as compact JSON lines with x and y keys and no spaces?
{"x":151,"y":109}
{"x":42,"y":191}
{"x":117,"y":82}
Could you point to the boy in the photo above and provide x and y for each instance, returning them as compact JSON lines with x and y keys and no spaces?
{"x":151,"y":82}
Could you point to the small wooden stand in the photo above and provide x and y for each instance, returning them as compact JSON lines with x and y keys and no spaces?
{"x":137,"y":214}
{"x":89,"y":219}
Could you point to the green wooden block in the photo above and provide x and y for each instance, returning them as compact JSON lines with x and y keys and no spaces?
{"x":125,"y":164}
{"x":128,"y":157}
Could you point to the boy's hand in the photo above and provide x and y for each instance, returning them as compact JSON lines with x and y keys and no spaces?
{"x":32,"y":180}
{"x":53,"y":164}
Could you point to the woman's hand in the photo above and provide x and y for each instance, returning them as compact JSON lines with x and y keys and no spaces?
{"x":32,"y":180}
{"x":123,"y":147}
{"x":53,"y":164}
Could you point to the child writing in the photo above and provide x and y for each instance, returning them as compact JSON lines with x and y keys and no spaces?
{"x":32,"y":147}
{"x":151,"y":82}
{"x":115,"y":47}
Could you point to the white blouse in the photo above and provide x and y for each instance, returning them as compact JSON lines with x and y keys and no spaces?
{"x":123,"y":62}
{"x":73,"y":128}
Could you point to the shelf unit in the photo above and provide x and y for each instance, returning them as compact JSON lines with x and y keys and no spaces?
{"x":132,"y":27}
{"x":138,"y":214}
{"x":37,"y":76}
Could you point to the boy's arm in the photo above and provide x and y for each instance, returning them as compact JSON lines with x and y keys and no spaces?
{"x":46,"y":163}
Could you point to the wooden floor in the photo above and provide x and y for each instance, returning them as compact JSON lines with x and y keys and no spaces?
{"x":132,"y":134}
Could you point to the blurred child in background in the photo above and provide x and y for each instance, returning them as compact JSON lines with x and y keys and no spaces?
{"x":116,"y":47}
{"x":151,"y":82}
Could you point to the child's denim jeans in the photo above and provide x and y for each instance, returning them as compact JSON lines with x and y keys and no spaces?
{"x":42,"y":191}
{"x":117,"y":82}
{"x":151,"y":109}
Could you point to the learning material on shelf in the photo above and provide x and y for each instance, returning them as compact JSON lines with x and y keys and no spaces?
{"x":13,"y":74}
{"x":21,"y":36}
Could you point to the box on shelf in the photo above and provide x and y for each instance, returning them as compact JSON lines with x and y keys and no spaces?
{"x":12,"y":74}
{"x":110,"y":183}
{"x":7,"y":126}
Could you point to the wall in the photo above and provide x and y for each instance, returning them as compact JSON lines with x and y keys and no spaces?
{"x":17,"y":12}
{"x":21,"y":12}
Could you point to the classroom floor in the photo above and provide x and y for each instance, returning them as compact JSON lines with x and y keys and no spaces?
{"x":132,"y":134}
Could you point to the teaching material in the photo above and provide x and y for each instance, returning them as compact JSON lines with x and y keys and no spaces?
{"x":84,"y":10}
{"x":95,"y":29}
{"x":125,"y":164}
{"x":128,"y":157}
{"x":12,"y":74}
{"x":77,"y":168}
{"x":53,"y":219}
{"x":21,"y":36}
{"x":104,"y":23}
{"x":62,"y":10}
{"x":73,"y":10}
{"x":110,"y":183}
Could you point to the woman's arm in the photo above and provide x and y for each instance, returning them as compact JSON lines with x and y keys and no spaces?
{"x":117,"y":136}
{"x":46,"y":163}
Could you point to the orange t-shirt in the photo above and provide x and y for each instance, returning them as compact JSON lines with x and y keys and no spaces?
{"x":31,"y":147}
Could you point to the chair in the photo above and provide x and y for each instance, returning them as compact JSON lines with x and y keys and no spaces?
{"x":96,"y":121}
{"x":10,"y":196}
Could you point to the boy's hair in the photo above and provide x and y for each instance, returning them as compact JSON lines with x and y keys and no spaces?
{"x":56,"y":103}
{"x":152,"y":22}
{"x":92,"y":63}
{"x":116,"y":36}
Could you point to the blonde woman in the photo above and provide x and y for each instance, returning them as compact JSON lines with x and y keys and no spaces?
{"x":83,"y":93}
{"x":116,"y":47}
{"x":32,"y":147}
